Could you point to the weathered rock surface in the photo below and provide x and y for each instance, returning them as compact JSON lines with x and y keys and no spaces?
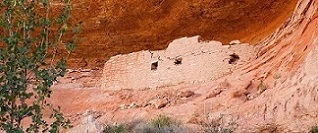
{"x":115,"y":27}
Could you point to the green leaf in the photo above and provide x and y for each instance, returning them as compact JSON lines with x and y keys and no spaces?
{"x":70,"y":46}
{"x":24,"y":62}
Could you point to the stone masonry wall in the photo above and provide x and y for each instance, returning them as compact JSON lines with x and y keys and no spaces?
{"x":185,"y":61}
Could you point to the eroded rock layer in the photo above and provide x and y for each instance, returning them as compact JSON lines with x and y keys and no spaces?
{"x":112,"y":27}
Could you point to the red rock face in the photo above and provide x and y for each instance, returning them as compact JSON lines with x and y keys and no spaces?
{"x":285,"y":68}
{"x":277,"y":90}
{"x":115,"y":27}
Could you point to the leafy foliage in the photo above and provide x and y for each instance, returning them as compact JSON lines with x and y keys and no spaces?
{"x":115,"y":129}
{"x":160,"y":124}
{"x":162,"y":121}
{"x":314,"y":129}
{"x":33,"y":48}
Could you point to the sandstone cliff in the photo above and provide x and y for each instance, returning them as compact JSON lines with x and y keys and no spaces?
{"x":276,"y":87}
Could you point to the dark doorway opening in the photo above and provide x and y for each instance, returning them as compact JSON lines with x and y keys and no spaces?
{"x":234,"y":58}
{"x":154,"y":66}
{"x":178,"y":61}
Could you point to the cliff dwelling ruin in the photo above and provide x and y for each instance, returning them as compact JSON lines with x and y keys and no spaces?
{"x":186,"y":61}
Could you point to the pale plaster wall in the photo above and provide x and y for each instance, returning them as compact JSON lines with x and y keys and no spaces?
{"x":201,"y":62}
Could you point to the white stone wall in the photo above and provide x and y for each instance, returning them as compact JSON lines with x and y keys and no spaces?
{"x":198,"y":62}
